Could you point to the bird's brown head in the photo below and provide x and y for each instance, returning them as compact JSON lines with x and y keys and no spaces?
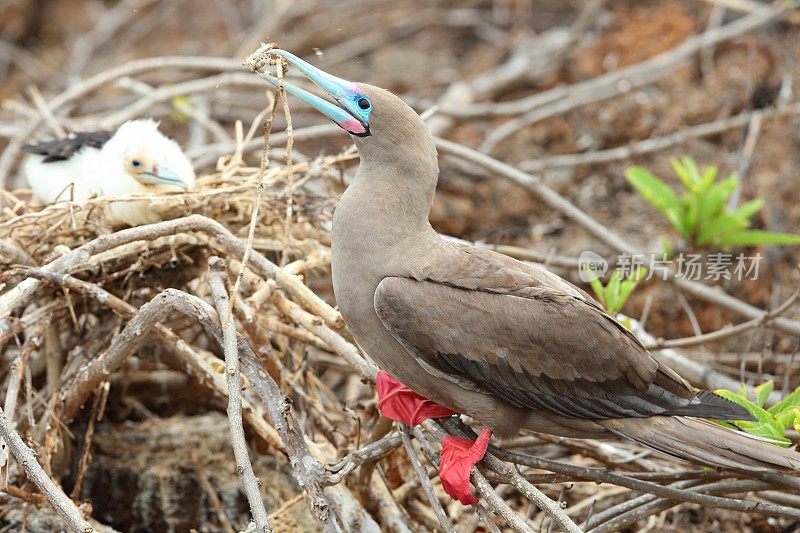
{"x":393,"y":124}
{"x":380,"y":122}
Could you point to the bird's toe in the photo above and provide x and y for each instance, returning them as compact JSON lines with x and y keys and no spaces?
{"x":456,"y":462}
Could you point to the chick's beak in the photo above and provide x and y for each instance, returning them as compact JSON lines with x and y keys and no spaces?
{"x":344,"y":114}
{"x":164,"y":176}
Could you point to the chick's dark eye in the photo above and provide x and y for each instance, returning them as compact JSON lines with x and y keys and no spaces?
{"x":363,"y":103}
{"x":136,"y":163}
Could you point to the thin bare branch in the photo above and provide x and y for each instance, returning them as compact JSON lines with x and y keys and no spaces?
{"x":24,"y":455}
{"x":250,"y":483}
{"x":422,"y":474}
{"x":727,"y":332}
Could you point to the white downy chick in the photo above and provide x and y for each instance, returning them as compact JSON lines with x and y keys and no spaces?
{"x":137,"y":159}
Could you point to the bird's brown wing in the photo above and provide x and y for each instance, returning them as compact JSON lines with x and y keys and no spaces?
{"x":536,"y":346}
{"x":62,"y":149}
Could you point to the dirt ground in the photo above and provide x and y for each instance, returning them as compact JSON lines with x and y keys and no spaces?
{"x":155,"y":454}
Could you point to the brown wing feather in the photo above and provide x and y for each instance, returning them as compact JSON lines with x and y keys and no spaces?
{"x":62,"y":149}
{"x":542,"y":350}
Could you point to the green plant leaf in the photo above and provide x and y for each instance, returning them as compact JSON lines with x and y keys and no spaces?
{"x":615,"y":293}
{"x":683,"y":173}
{"x":767,"y":431}
{"x":691,"y":211}
{"x":596,"y":285}
{"x":763,"y":391}
{"x":765,"y":425}
{"x":761,"y":415}
{"x":629,"y":284}
{"x":678,"y":220}
{"x":789,"y":417}
{"x":709,"y":174}
{"x":722,"y":225}
{"x":699,"y":213}
{"x":791,"y":400}
{"x":612,"y":293}
{"x":711,"y":218}
{"x":656,"y":192}
{"x":694,"y":172}
{"x":711,"y":203}
{"x":747,"y":210}
{"x":756,"y":237}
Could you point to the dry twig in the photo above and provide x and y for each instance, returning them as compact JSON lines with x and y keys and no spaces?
{"x":250,"y":483}
{"x":24,"y":455}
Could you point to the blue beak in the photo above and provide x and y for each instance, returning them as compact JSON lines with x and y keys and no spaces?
{"x":346,"y":115}
{"x":165,"y":176}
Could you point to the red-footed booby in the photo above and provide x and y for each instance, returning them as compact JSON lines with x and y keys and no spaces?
{"x":135,"y":160}
{"x":479,"y":333}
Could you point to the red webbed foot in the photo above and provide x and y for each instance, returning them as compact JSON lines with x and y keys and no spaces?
{"x":457,"y":459}
{"x":398,"y":402}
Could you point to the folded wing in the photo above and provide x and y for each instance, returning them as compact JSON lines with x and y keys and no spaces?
{"x":62,"y":149}
{"x":538,"y":348}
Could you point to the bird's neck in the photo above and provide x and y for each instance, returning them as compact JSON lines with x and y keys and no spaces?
{"x":387,"y":204}
{"x":392,"y":195}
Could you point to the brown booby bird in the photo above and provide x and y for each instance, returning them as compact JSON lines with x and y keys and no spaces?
{"x":479,"y":333}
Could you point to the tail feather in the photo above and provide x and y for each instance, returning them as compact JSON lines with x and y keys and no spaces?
{"x":706,"y":404}
{"x":706,"y":443}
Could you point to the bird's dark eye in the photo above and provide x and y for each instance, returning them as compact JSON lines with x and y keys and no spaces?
{"x":136,"y":163}
{"x":363,"y":103}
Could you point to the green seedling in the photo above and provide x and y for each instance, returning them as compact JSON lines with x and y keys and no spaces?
{"x":770,"y":423}
{"x":615,"y":293}
{"x":700,"y":214}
